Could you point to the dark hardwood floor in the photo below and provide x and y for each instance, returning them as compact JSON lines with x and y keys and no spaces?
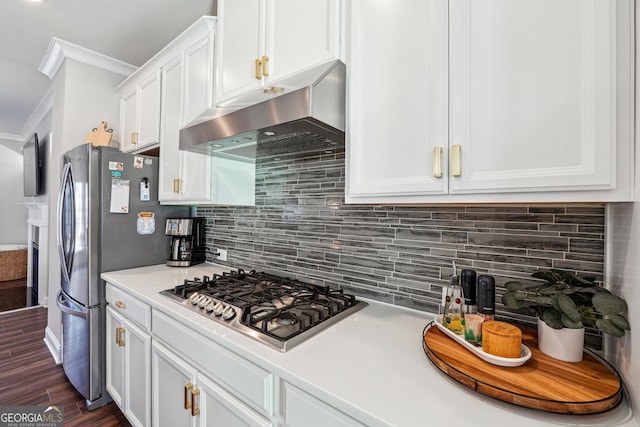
{"x":29,"y":375}
{"x":13,"y":294}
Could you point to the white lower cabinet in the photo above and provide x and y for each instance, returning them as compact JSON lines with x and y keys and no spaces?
{"x":189,"y":369}
{"x":128,"y":350}
{"x":183,"y":396}
{"x":162,"y":372}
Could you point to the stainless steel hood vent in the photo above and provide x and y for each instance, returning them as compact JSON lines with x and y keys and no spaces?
{"x":304,"y":119}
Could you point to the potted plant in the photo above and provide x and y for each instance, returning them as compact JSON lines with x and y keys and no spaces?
{"x":567,"y":303}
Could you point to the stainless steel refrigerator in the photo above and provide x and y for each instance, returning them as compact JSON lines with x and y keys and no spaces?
{"x":109,"y":218}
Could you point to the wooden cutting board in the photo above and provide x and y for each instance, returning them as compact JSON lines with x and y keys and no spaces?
{"x":544,"y":383}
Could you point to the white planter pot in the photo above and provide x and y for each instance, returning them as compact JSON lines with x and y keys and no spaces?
{"x":562,"y":344}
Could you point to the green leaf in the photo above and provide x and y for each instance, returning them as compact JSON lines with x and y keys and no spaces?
{"x":544,"y":275}
{"x":513,"y":286}
{"x":568,"y":307}
{"x":588,"y":281}
{"x":608,"y":327}
{"x":546,"y":301}
{"x":511,"y":301}
{"x":552,"y":318}
{"x":609,"y":304}
{"x":620,"y":321}
{"x":590,"y":290}
{"x":569,"y":323}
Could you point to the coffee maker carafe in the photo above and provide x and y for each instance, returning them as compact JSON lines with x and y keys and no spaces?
{"x":187,"y":241}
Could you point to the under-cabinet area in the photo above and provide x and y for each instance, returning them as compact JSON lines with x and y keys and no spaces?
{"x":368,"y":369}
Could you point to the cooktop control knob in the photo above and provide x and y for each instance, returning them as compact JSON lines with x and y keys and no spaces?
{"x":228,"y":313}
{"x":219,"y":308}
{"x":202,"y":303}
{"x":194,"y":298}
{"x":210,"y":305}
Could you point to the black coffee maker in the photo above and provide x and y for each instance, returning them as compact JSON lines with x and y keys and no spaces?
{"x":187,"y":241}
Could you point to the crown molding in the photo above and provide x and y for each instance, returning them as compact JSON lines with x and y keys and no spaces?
{"x":44,"y":107}
{"x":59,"y":50}
{"x":11,"y":137}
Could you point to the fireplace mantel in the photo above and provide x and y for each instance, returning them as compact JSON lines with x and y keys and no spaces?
{"x":38,"y":237}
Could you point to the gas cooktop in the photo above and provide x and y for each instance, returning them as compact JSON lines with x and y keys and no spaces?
{"x":276,"y":311}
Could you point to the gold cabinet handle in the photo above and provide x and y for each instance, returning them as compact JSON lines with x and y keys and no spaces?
{"x":265,"y":59}
{"x":121,"y":305}
{"x":177,"y":185}
{"x":456,"y":168}
{"x":258,"y":67}
{"x":187,"y":394}
{"x":437,"y":162}
{"x":194,"y":408}
{"x":134,"y":137}
{"x":120,"y":336}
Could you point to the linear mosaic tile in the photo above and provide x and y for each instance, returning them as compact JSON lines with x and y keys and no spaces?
{"x":302,"y":228}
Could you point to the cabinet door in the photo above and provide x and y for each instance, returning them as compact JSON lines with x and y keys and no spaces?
{"x":198,"y":79}
{"x":218,"y":408}
{"x":196,"y":176}
{"x":149,"y":110}
{"x":240,"y":27}
{"x":171,"y":75}
{"x":128,"y":121}
{"x":137,"y":407}
{"x":533,"y":94}
{"x":173,"y":381}
{"x":300,"y":34}
{"x":115,"y":356}
{"x":397,"y":98}
{"x":288,"y":36}
{"x":184,"y":176}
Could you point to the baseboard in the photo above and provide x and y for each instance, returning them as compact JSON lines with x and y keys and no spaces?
{"x":53,"y":345}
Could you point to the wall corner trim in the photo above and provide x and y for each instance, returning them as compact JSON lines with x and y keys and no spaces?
{"x":53,"y":345}
{"x":59,"y":50}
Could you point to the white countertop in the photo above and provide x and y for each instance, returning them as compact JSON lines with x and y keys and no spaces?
{"x":370,"y":364}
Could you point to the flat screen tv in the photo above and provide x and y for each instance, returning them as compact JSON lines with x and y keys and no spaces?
{"x":32,"y":167}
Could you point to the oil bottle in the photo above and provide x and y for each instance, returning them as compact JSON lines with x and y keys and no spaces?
{"x":453,"y":316}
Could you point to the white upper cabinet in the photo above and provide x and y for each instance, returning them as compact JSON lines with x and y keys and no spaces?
{"x":140,"y":113}
{"x":141,"y":100}
{"x":263,"y":44}
{"x":490,"y":101}
{"x":185,"y":177}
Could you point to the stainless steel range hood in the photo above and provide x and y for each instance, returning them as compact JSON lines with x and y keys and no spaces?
{"x":310,"y":117}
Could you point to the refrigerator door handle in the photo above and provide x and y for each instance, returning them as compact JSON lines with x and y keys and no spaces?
{"x":67,"y":306}
{"x":61,"y":249}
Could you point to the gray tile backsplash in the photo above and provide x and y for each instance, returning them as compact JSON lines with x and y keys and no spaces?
{"x":301,"y":227}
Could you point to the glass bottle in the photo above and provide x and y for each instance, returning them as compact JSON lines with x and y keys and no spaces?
{"x":453,"y":316}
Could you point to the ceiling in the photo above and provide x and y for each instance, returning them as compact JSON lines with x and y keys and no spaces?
{"x":129,"y":30}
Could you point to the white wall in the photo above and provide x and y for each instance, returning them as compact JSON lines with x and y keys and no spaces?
{"x":13,"y":217}
{"x":83,"y":96}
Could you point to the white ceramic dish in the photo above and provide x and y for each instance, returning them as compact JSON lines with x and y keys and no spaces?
{"x":525,"y":353}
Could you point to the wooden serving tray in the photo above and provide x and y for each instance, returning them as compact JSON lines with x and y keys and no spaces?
{"x":544,"y":383}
